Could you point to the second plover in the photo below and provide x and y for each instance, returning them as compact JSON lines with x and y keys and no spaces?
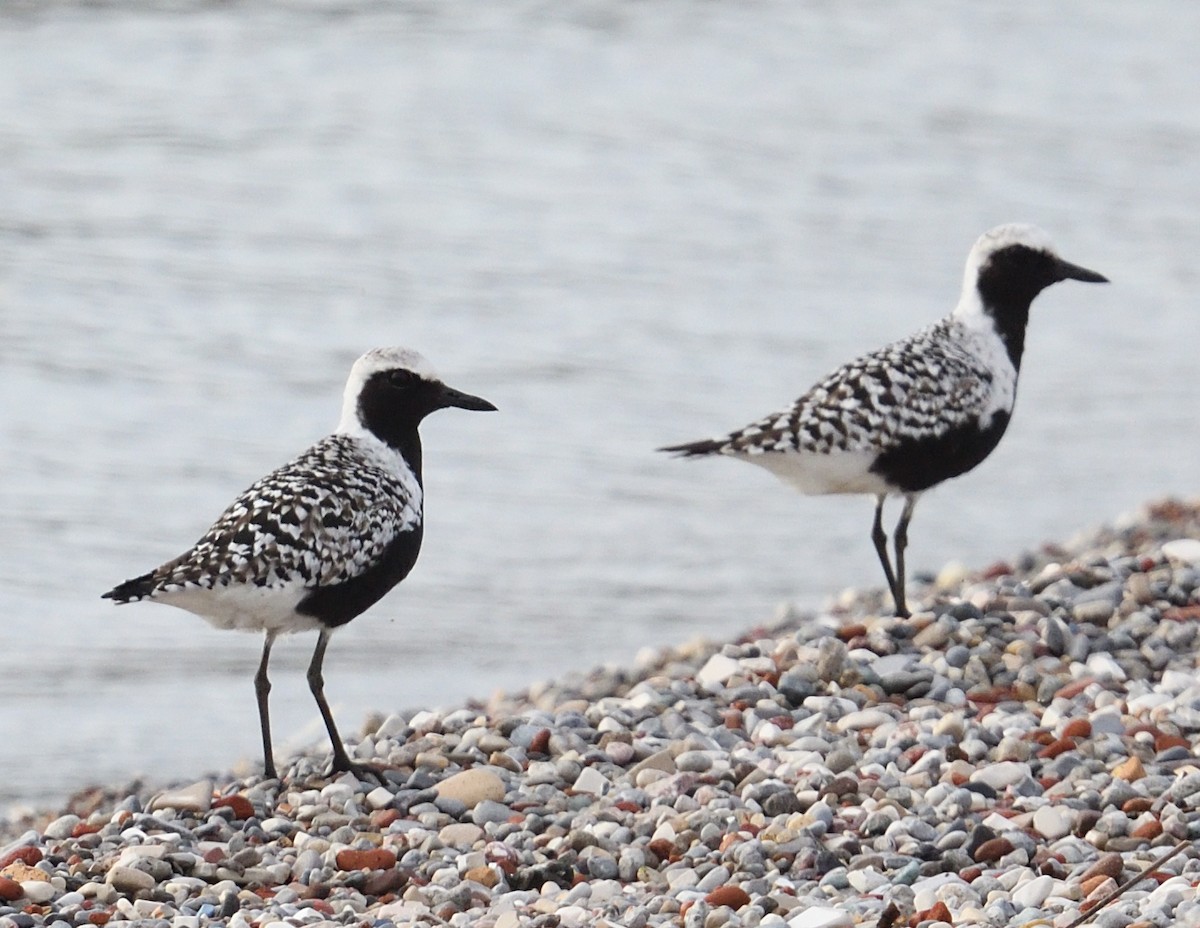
{"x":922,"y":410}
{"x":323,"y":538}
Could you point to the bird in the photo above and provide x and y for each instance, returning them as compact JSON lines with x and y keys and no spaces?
{"x":906,"y":417}
{"x":318,"y":541}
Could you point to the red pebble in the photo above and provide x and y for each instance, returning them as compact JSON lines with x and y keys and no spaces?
{"x":733,"y":896}
{"x":99,"y":918}
{"x":83,"y":828}
{"x":376,"y":858}
{"x":10,"y":890}
{"x":540,"y":742}
{"x":26,"y":854}
{"x":242,"y":809}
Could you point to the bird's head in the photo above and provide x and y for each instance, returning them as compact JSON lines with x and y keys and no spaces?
{"x":390,"y":390}
{"x":1016,"y":262}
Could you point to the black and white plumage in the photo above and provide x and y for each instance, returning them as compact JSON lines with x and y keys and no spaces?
{"x":321,"y":539}
{"x":902,"y":419}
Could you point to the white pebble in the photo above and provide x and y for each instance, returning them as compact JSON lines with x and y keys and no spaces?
{"x":1033,"y":893}
{"x":716,"y":670}
{"x":1186,"y":550}
{"x":819,"y":916}
{"x":1001,"y":775}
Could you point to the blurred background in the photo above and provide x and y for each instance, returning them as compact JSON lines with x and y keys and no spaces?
{"x":626,"y":224}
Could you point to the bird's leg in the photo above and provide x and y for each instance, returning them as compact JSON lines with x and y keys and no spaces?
{"x":900,"y":540}
{"x":879,"y":536}
{"x":316,"y":683}
{"x":262,"y":687}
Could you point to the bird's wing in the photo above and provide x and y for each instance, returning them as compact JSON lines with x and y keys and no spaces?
{"x":911,"y":389}
{"x":321,"y":519}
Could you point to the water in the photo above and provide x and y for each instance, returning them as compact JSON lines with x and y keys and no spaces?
{"x":625,"y":224}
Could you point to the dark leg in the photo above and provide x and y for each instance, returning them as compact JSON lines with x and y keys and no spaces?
{"x":880,"y":538}
{"x":316,"y":683}
{"x":901,"y":542}
{"x":262,"y":687}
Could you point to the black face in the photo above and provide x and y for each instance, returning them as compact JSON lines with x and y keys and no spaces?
{"x":1010,"y":280}
{"x":393,"y":403}
{"x":1018,"y":273}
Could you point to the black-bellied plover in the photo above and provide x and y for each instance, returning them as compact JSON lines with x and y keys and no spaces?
{"x":323,"y":538}
{"x":922,"y":410}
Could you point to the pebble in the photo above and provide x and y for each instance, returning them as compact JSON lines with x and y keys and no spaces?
{"x":471,"y":787}
{"x":1024,"y":743}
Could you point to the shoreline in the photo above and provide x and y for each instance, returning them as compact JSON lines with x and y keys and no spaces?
{"x":1026,"y":742}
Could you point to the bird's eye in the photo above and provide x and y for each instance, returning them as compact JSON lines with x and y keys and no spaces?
{"x":401,"y":378}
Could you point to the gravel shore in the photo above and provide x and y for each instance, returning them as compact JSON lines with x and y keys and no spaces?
{"x":1023,"y":744}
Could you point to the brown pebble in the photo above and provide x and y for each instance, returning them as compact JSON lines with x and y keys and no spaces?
{"x":1137,"y":805}
{"x":1165,"y":742}
{"x":1073,"y":689}
{"x":27,"y":855}
{"x":381,"y":818}
{"x":846,"y":632}
{"x":993,"y":850}
{"x":1108,"y":865}
{"x":1151,"y":830}
{"x":382,"y":882}
{"x":994,"y":695}
{"x":10,"y":890}
{"x":938,"y":913}
{"x":375,"y":858}
{"x":485,"y":876}
{"x":1130,"y":770}
{"x":540,"y":742}
{"x":1078,"y":728}
{"x":99,"y":918}
{"x":733,"y":896}
{"x":1054,"y":748}
{"x":1097,"y":886}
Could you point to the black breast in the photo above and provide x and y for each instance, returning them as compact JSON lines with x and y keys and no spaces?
{"x":920,"y":463}
{"x":338,"y":604}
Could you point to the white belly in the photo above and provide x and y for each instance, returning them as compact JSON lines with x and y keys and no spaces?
{"x":818,"y":474}
{"x":245,"y":608}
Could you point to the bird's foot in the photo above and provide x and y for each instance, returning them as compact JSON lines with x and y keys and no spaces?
{"x":366,"y":772}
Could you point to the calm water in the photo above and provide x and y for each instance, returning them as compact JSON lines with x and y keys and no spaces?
{"x":626,"y":224}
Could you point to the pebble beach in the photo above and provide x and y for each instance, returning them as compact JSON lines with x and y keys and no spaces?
{"x":1022,"y":746}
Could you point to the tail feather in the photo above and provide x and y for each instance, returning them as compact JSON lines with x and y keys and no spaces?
{"x":132,"y":590}
{"x":696,"y":448}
